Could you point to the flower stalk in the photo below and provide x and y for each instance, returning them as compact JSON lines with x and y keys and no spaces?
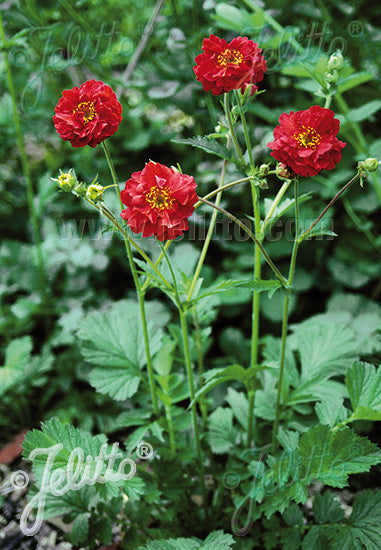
{"x":140,"y":294}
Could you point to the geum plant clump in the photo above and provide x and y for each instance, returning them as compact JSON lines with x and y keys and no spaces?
{"x":284,"y":424}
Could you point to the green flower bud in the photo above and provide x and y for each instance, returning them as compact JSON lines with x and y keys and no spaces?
{"x":95,"y":192}
{"x":336,"y":61}
{"x":370,"y":165}
{"x":264,"y":169}
{"x":67,"y":181}
{"x":332,"y":77}
{"x":81,"y":190}
{"x":263,"y":184}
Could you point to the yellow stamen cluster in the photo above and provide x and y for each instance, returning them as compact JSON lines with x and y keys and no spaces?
{"x":308,"y":138}
{"x":230,"y":57}
{"x":160,"y":198}
{"x":88,"y":110}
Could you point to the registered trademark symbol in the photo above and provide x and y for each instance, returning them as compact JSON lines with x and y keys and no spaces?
{"x":355,"y":28}
{"x":144,"y":450}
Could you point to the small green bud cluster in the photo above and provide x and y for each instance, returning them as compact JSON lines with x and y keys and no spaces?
{"x":66,"y":180}
{"x":334,"y":65}
{"x":95,"y":192}
{"x":365,"y":166}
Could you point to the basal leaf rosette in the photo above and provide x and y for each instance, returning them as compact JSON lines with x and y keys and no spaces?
{"x":306,"y":141}
{"x":87,"y":115}
{"x":223,"y":67}
{"x":159,"y":201}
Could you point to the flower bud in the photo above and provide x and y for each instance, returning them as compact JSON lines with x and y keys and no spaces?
{"x":264,"y":169}
{"x":95,"y":192}
{"x":370,"y":165}
{"x":66,"y":180}
{"x":336,"y":61}
{"x":284,"y":172}
{"x":263,"y":184}
{"x":332,"y":77}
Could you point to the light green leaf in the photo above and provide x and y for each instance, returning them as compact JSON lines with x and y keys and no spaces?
{"x":210,"y":146}
{"x":113,"y":341}
{"x":365,"y":111}
{"x":17,"y":356}
{"x":80,"y":529}
{"x":55,"y":432}
{"x":325,"y":348}
{"x":353,"y":81}
{"x":221,"y":435}
{"x":134,"y":488}
{"x":119,"y":383}
{"x":331,"y":412}
{"x":364,"y":388}
{"x":330,"y":456}
{"x":214,"y":377}
{"x":239,"y":405}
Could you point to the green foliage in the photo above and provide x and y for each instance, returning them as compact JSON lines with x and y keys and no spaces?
{"x":113,"y":341}
{"x":215,"y":541}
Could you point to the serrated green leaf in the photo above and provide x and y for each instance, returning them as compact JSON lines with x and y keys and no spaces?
{"x":17,"y":356}
{"x":113,"y":341}
{"x":364,"y":387}
{"x":362,"y":529}
{"x":69,"y":439}
{"x":325,"y":348}
{"x":171,"y":544}
{"x":117,"y":382}
{"x":293,"y":515}
{"x":331,"y":412}
{"x":259,"y":285}
{"x":218,"y":540}
{"x":210,"y":146}
{"x":134,"y":488}
{"x":80,"y":529}
{"x":330,"y":456}
{"x":317,"y":539}
{"x":221,"y":434}
{"x":327,"y":509}
{"x":239,"y":405}
{"x":290,"y":539}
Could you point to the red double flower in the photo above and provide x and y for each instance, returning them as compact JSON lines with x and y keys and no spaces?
{"x":159,"y":201}
{"x":306,"y":141}
{"x":87,"y":115}
{"x":224,"y":67}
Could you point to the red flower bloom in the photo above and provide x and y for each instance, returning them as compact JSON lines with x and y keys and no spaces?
{"x":159,"y":200}
{"x":224,"y":67}
{"x":306,"y":141}
{"x":87,"y":115}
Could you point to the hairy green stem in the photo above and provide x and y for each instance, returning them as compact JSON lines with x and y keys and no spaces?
{"x":209,"y":234}
{"x":274,"y":205}
{"x":171,"y":430}
{"x":203,"y":405}
{"x":231,"y":128}
{"x":188,"y":364}
{"x":175,"y":287}
{"x":256,"y":272}
{"x":139,"y":292}
{"x":285,"y":321}
{"x":26,"y":171}
{"x":331,"y":203}
{"x":222,"y":188}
